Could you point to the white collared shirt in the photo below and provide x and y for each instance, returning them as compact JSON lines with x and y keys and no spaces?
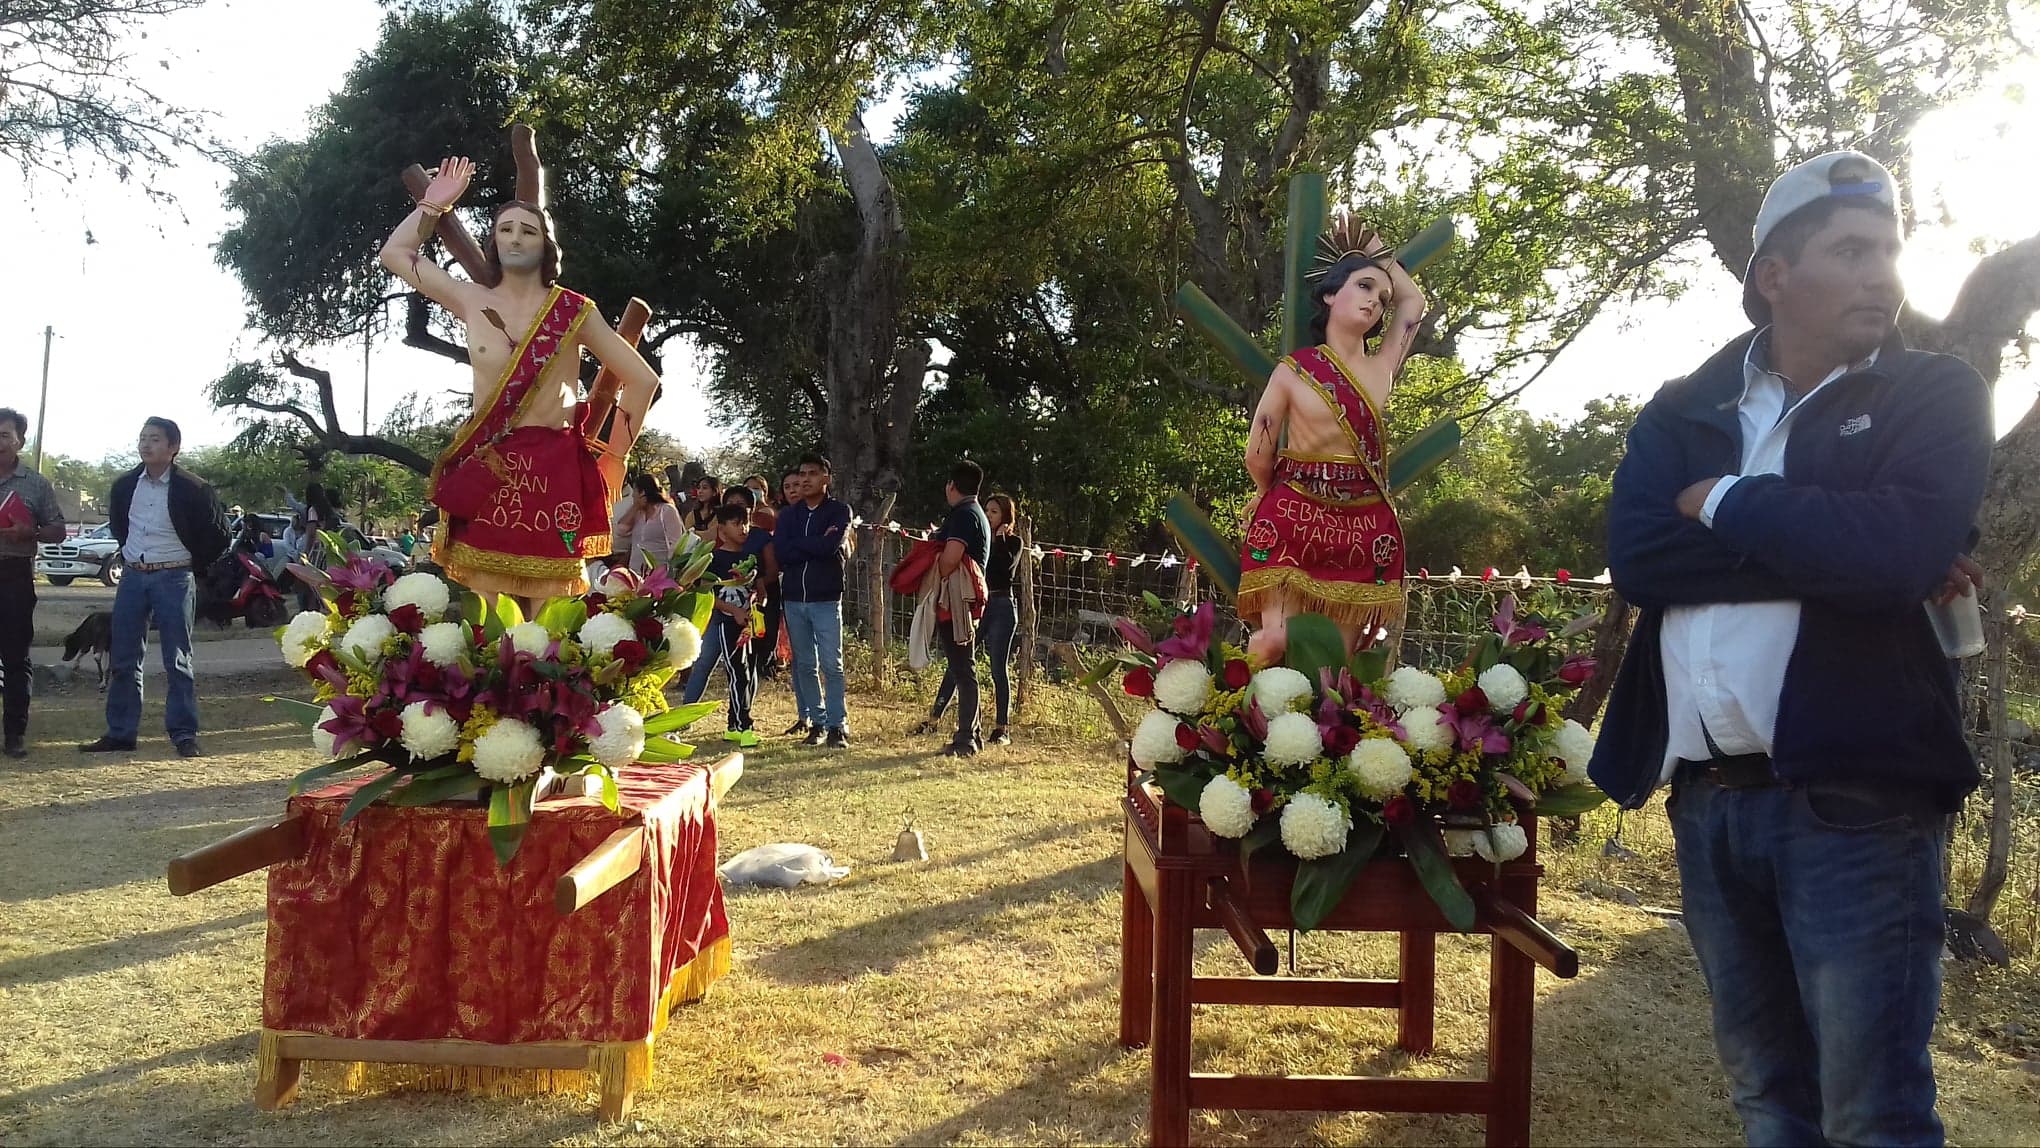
{"x":1724,"y":664}
{"x":151,"y":536}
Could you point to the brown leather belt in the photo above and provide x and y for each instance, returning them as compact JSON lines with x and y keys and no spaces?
{"x":1739,"y":771}
{"x":157,"y":567}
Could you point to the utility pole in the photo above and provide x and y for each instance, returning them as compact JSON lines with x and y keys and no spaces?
{"x":42,"y":408}
{"x":367,"y":333}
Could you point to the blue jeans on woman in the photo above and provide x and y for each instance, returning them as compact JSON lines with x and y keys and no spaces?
{"x":1816,"y":914}
{"x":168,"y":597}
{"x":995,"y":637}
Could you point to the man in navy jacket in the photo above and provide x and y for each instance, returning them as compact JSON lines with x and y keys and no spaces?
{"x":811,"y":539}
{"x":1781,"y":518}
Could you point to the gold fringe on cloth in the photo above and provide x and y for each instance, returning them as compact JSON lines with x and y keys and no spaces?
{"x":624,"y":1064}
{"x":485,"y":571}
{"x":1368,"y":605}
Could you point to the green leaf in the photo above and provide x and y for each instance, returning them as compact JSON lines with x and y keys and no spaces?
{"x":1153,"y":602}
{"x":1569,"y":800}
{"x":611,"y":800}
{"x":1487,"y":654}
{"x":509,"y":614}
{"x":305,"y":714}
{"x":473,"y":610}
{"x":328,"y":769}
{"x":1100,"y":672}
{"x":509,"y":817}
{"x":434,"y":786}
{"x":1184,"y":787}
{"x":366,"y":795}
{"x":1369,"y":666}
{"x":1321,"y":882}
{"x":563,"y":615}
{"x":659,"y":751}
{"x":1434,"y":870}
{"x":1266,"y":831}
{"x":1315,"y":643}
{"x":678,"y":718}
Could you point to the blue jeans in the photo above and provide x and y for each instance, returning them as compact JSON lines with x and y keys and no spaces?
{"x":1816,"y":913}
{"x":168,"y":597}
{"x":815,"y":631}
{"x":995,"y":637}
{"x":720,"y":651}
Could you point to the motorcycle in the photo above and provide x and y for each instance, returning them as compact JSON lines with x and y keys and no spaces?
{"x":239,"y":586}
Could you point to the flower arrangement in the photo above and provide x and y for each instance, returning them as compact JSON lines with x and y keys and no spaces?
{"x":1328,"y":755}
{"x":456,"y":699}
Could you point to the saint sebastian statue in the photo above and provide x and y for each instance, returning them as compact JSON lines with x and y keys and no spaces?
{"x":1321,"y":537}
{"x":525,"y":488}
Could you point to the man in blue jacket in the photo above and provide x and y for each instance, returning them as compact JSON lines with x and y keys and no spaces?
{"x":1781,"y":517}
{"x":811,"y":539}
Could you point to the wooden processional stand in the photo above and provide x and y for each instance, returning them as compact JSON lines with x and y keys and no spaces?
{"x":1179,"y":879}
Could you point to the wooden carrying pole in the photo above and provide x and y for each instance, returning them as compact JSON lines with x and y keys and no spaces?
{"x":256,"y":847}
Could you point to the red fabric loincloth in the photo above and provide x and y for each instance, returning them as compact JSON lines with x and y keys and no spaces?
{"x":523,"y":513}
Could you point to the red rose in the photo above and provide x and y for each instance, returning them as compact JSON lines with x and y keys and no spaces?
{"x":426,"y":676}
{"x":1473,"y":701}
{"x":1140,"y":682}
{"x":1398,"y":810}
{"x":1238,"y":674}
{"x":1263,"y":801}
{"x":1186,"y":738}
{"x":326,"y":667}
{"x":387,"y":724}
{"x":595,"y":600}
{"x":1464,"y":794}
{"x":631,"y":653}
{"x":1340,"y":740}
{"x":1577,"y":669}
{"x":409,"y":619}
{"x":648,"y":629}
{"x":460,"y":710}
{"x":344,"y":603}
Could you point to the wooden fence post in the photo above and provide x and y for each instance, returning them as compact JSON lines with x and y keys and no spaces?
{"x":1030,"y":614}
{"x":879,"y":621}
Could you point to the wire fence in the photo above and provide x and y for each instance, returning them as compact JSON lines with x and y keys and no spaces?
{"x":1071,"y":595}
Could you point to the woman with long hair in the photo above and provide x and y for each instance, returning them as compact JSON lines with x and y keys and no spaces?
{"x":1000,"y":623}
{"x":655,"y":526}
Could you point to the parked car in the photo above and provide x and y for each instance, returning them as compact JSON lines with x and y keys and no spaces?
{"x":94,"y":553}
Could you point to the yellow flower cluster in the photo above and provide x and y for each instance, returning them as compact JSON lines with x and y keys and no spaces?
{"x":477,"y":724}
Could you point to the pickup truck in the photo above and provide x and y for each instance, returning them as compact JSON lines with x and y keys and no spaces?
{"x":92,"y":553}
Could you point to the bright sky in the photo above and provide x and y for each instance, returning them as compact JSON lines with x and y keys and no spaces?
{"x":145,"y":318}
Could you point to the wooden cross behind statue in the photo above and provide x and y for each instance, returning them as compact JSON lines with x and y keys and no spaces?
{"x":460,"y":244}
{"x":1219,"y":555}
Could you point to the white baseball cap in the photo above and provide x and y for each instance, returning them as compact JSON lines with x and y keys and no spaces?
{"x":1838,"y":174}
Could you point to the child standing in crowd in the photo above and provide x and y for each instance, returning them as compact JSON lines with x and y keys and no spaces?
{"x":723,"y":646}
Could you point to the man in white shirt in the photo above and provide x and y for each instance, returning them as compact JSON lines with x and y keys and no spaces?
{"x":169,"y":523}
{"x":1781,"y":517}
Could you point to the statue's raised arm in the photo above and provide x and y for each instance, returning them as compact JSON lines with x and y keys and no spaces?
{"x":403,"y":253}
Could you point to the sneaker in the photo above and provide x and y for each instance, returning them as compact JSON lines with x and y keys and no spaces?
{"x":960,"y":749}
{"x":14,"y":746}
{"x":816,"y":736}
{"x":742,"y":738}
{"x":189,"y":748}
{"x":1000,"y":737}
{"x":839,"y":738}
{"x":798,"y":729}
{"x":107,"y":745}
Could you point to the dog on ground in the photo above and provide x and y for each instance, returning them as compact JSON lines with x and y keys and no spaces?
{"x":93,"y":636}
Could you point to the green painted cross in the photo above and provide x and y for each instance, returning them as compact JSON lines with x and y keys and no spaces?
{"x":1307,"y":219}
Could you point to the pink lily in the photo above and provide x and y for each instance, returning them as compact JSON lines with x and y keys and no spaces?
{"x":659,"y":581}
{"x":1473,"y":731}
{"x":1135,"y":636}
{"x":1515,"y":633}
{"x":1193,"y":634}
{"x":1254,"y":721}
{"x":1215,"y":742}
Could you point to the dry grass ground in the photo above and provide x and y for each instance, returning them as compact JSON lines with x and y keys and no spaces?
{"x":59,"y":609}
{"x":970,"y":999}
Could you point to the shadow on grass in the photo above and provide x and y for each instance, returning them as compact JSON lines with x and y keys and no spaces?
{"x":142,"y":856}
{"x":130,"y":1073}
{"x":121,"y":952}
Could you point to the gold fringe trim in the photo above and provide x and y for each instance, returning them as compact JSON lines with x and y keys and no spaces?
{"x":612,"y":1065}
{"x":1367,"y":604}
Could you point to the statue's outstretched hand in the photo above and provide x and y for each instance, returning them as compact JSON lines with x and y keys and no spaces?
{"x":449,"y":181}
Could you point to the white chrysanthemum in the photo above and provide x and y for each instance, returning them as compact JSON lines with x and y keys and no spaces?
{"x":1411,"y":688}
{"x":1292,"y":740}
{"x":322,"y":740}
{"x":683,"y":643}
{"x":444,"y":643}
{"x":529,"y":638}
{"x":1227,"y":809}
{"x":618,"y":584}
{"x":1459,"y":842}
{"x":365,"y":638}
{"x":1504,"y":686}
{"x":1154,"y":741}
{"x":622,"y":740}
{"x":1574,"y":746}
{"x":1426,"y":731}
{"x":1182,"y":687}
{"x":302,"y":638}
{"x":508,"y":751}
{"x":427,"y":735}
{"x":1278,"y":688}
{"x":601,"y":632}
{"x":424,"y":591}
{"x":1381,"y":766}
{"x":1313,"y":827}
{"x":1504,"y":842}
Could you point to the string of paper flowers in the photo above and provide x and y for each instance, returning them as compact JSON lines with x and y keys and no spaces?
{"x":1163,"y":561}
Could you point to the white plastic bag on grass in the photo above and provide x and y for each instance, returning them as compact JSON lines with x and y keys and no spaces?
{"x":782,"y":866}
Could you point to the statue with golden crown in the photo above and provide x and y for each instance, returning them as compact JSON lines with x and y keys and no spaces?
{"x":1321,"y":536}
{"x":525,"y":487}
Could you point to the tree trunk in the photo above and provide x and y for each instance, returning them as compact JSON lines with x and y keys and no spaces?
{"x":1611,"y":640}
{"x":1997,"y":763}
{"x":874,"y":368}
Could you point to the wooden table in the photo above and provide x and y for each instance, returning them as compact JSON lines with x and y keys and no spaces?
{"x":1179,"y":878}
{"x":398,"y":939}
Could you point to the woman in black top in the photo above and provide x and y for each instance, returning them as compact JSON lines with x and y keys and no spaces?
{"x":1000,"y":623}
